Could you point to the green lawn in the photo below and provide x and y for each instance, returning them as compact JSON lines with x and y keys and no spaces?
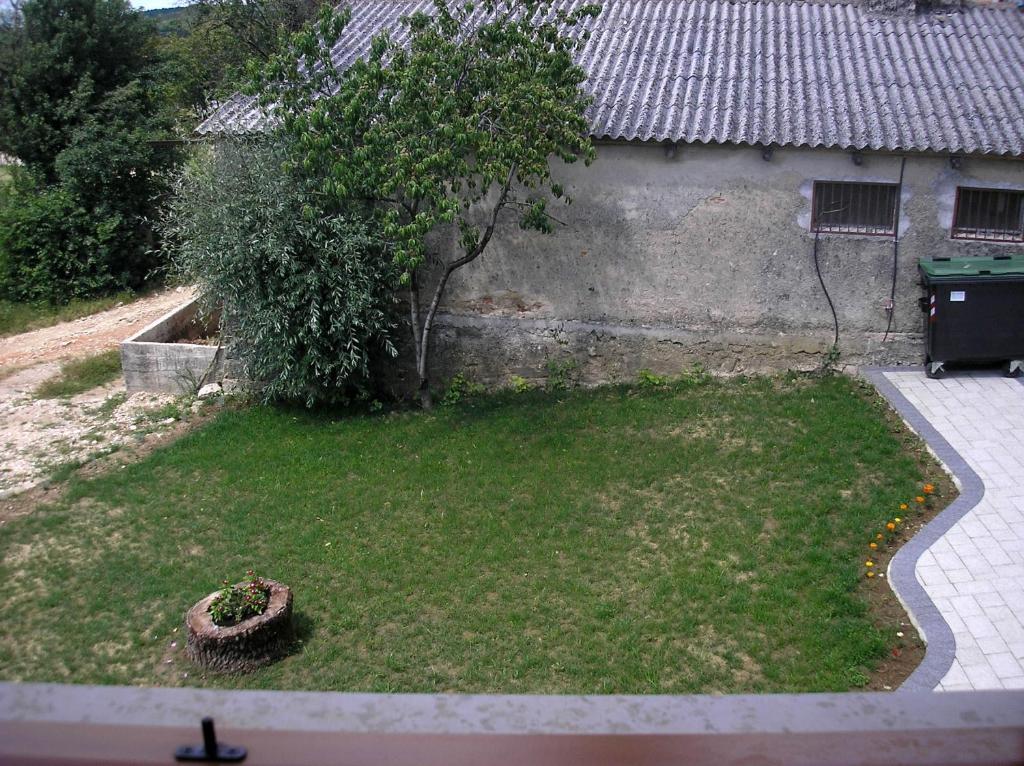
{"x":79,"y":375}
{"x":703,"y":538}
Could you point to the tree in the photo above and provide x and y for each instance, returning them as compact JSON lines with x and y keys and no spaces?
{"x":307,"y":295}
{"x":454,"y":127}
{"x":79,"y":106}
{"x":61,"y":59}
{"x":207,"y":48}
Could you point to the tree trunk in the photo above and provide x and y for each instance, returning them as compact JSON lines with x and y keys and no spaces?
{"x":426,"y":400}
{"x":422,"y":335}
{"x":419,"y":337}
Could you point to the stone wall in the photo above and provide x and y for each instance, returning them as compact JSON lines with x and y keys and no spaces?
{"x":704,"y":255}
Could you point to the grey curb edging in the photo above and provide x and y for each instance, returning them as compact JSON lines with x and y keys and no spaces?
{"x":941,"y":644}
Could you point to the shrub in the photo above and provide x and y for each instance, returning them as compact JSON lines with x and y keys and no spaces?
{"x":307,"y":291}
{"x":79,"y":107}
{"x":235,"y":603}
{"x":52,"y":249}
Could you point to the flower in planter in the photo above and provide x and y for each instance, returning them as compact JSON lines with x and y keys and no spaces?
{"x":903,"y":506}
{"x":898,"y":520}
{"x":235,"y":603}
{"x":873,"y":546}
{"x":890,"y":526}
{"x":869,"y":563}
{"x":919,"y":499}
{"x":928,"y":488}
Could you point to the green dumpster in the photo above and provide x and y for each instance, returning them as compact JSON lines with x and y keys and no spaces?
{"x":974,"y":311}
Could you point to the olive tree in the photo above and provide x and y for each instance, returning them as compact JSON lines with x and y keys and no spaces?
{"x":307,"y":293}
{"x":451,"y":124}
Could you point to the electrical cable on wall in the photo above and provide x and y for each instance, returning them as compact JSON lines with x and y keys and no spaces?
{"x":895,"y":252}
{"x":817,"y":270}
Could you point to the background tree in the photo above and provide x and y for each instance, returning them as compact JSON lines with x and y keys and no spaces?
{"x":80,"y":106}
{"x":62,"y":59}
{"x":452,"y":128}
{"x":208,"y":47}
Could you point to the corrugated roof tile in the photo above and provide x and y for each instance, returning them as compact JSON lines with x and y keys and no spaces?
{"x":773,"y":72}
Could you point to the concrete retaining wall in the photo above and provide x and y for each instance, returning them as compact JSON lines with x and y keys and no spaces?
{"x":152,"y":361}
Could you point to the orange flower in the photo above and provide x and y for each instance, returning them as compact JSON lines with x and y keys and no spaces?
{"x":890,"y":526}
{"x":928,"y":489}
{"x":918,"y":499}
{"x":873,"y":546}
{"x":903,"y":506}
{"x":879,"y":536}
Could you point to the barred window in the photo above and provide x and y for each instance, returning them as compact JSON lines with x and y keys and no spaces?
{"x":995,"y":215}
{"x":845,"y":207}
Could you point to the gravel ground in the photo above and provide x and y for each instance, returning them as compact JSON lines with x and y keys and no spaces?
{"x":37,"y":436}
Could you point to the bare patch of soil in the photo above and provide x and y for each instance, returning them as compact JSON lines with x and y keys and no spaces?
{"x":905,"y":648}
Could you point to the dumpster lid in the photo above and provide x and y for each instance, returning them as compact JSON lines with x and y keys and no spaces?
{"x":972,"y":267}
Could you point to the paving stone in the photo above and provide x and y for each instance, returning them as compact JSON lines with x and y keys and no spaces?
{"x":1005,"y":665}
{"x":974,"y":573}
{"x":983,"y":677}
{"x":991,"y":644}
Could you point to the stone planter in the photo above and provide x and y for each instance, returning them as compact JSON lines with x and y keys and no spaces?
{"x":248,"y":645}
{"x":165,"y":356}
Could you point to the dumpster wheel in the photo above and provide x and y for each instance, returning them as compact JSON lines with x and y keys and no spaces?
{"x":934,"y":370}
{"x":1013,"y":368}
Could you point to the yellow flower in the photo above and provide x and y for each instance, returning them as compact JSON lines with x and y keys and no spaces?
{"x":903,"y":506}
{"x":871,"y":574}
{"x":897,"y":519}
{"x":869,"y":563}
{"x":873,"y":546}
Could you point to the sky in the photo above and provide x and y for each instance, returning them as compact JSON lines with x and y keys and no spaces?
{"x":145,"y":5}
{"x":148,"y":5}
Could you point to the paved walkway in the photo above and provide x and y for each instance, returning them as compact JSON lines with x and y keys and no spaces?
{"x":971,"y":566}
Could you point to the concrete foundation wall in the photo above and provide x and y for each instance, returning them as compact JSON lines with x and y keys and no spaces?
{"x":705,"y":256}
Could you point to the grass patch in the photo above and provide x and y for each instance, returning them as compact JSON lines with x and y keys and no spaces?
{"x":80,"y":375}
{"x":702,"y":537}
{"x":22,"y":317}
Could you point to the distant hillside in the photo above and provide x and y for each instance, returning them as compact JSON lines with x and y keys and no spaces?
{"x":173,"y":21}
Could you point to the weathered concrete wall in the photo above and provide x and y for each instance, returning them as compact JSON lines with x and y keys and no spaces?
{"x":706,"y":256}
{"x":152,"y":361}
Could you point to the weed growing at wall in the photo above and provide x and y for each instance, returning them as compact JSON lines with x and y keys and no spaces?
{"x":562,"y":376}
{"x":461,"y":388}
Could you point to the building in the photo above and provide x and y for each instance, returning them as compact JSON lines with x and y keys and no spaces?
{"x":744,"y":149}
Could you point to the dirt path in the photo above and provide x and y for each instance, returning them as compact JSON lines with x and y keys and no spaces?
{"x":87,"y":335}
{"x":38,"y":436}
